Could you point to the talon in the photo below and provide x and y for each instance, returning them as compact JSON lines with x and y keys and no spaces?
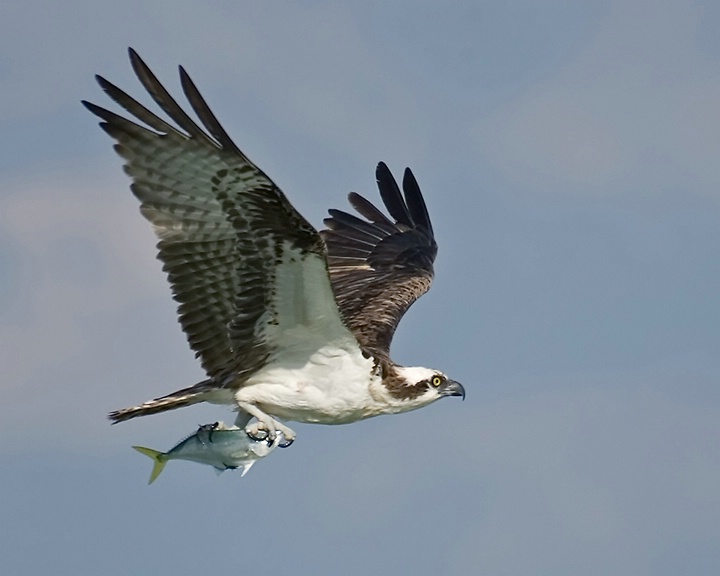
{"x":207,"y":431}
{"x":258,"y":436}
{"x":270,"y":427}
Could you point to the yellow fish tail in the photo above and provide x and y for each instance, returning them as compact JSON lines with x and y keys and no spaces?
{"x":158,"y":461}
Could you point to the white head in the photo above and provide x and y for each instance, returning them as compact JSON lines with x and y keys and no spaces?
{"x":415,"y":386}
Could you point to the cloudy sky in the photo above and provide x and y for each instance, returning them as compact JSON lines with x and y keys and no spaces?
{"x":569,"y":153}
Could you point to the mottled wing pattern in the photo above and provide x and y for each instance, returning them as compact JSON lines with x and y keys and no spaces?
{"x":222,"y":223}
{"x":378,"y":266}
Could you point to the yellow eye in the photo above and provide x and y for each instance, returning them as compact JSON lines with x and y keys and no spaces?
{"x":436,"y":381}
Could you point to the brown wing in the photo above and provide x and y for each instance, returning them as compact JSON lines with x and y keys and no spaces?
{"x":379,"y":266}
{"x":223,"y":224}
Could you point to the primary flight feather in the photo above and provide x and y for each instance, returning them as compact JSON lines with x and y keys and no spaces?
{"x":289,"y":323}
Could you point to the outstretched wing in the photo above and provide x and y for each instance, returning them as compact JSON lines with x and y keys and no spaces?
{"x":237,"y":254}
{"x":378,"y":266}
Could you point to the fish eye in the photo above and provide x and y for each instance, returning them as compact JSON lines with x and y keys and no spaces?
{"x":436,"y":381}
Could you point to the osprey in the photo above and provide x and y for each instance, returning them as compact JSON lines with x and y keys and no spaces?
{"x":288,"y":323}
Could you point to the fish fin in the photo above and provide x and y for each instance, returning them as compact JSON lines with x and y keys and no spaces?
{"x":246,"y":467}
{"x":219,"y":470}
{"x":158,"y":465}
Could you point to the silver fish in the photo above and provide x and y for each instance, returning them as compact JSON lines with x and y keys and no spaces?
{"x":223,"y":448}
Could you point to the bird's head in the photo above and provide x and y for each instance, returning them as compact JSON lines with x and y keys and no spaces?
{"x":420,"y":386}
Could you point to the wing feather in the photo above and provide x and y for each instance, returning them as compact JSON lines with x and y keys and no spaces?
{"x":163,"y":99}
{"x":223,"y":226}
{"x":135,"y":108}
{"x":366,"y":209}
{"x":380,"y":267}
{"x":205,"y":114}
{"x":415,"y":202}
{"x":340,"y":220}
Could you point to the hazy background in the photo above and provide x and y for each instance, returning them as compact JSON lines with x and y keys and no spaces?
{"x":570,"y":156}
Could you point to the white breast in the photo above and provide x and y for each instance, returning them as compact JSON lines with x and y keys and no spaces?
{"x":316,"y":371}
{"x":331,"y":387}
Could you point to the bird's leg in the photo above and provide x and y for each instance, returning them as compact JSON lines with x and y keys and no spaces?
{"x":259,"y":430}
{"x":242,"y":418}
{"x":265,"y":428}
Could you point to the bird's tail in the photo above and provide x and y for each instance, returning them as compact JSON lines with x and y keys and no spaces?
{"x":158,"y":462}
{"x":184,"y":397}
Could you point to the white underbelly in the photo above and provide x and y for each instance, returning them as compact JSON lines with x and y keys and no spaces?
{"x":332,"y":387}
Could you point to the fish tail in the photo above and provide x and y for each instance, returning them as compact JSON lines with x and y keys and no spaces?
{"x":158,"y":462}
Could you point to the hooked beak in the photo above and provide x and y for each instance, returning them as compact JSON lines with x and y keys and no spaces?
{"x":453,"y":388}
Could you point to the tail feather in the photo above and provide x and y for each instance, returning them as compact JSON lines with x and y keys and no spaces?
{"x":158,"y":462}
{"x":184,"y":397}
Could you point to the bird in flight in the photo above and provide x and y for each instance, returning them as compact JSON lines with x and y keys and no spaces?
{"x":289,"y":324}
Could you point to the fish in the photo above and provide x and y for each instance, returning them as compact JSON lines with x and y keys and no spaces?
{"x":220,"y":446}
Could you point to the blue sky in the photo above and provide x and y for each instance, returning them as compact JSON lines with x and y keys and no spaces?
{"x":568,"y":152}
